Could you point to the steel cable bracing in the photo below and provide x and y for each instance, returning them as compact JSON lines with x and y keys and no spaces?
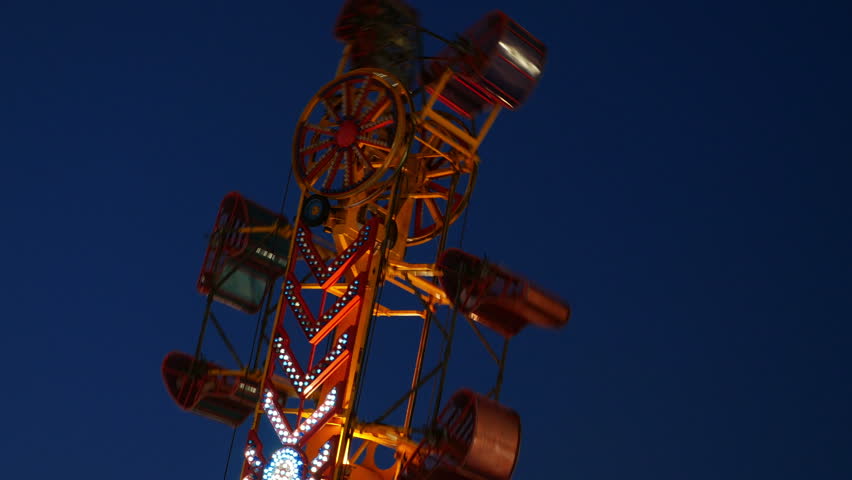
{"x":392,"y":205}
{"x":377,"y":301}
{"x":240,"y":261}
{"x":259,"y":326}
{"x":449,"y":336}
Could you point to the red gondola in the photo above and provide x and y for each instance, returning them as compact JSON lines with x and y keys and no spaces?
{"x":496,"y":298}
{"x":208,"y":390}
{"x":500,"y":63}
{"x":246,"y":253}
{"x":225,"y":398}
{"x":480,"y":439}
{"x":381,"y":34}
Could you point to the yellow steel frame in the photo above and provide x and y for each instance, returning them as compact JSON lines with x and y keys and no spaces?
{"x":429,"y":118}
{"x":275,"y":229}
{"x":413,"y":278}
{"x":388,"y":266}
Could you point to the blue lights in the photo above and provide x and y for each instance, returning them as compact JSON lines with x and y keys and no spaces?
{"x":286,"y":464}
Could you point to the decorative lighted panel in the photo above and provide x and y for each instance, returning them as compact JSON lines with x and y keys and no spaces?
{"x":324,"y":375}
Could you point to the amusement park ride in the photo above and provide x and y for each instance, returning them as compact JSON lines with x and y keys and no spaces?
{"x":386,"y":159}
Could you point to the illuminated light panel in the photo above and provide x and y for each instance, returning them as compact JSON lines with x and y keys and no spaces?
{"x":253,"y":455}
{"x":327,"y":274}
{"x":293,"y":295}
{"x":305,"y":429}
{"x":350,"y":299}
{"x":287,"y":464}
{"x":304,"y":383}
{"x":324,"y":410}
{"x":319,"y":462}
{"x":520,"y":59}
{"x":315,"y":330}
{"x":279,"y":423}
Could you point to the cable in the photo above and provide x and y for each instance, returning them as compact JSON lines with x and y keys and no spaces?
{"x":286,"y":191}
{"x":259,"y":327}
{"x":230,"y":451}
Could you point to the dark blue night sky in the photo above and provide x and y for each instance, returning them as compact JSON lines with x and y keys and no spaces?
{"x":681,"y":176}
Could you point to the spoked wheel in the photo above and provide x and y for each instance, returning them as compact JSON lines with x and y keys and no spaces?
{"x":352,"y":135}
{"x":441,"y":166}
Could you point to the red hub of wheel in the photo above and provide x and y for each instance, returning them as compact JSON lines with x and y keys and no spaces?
{"x":347,"y":133}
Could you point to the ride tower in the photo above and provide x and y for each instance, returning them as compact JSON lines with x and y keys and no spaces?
{"x":386,"y":157}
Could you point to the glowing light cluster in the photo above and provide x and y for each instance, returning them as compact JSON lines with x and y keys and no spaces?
{"x":350,"y":252}
{"x":293,"y":371}
{"x":279,"y":423}
{"x":311,"y":326}
{"x":321,"y":460}
{"x":254,"y":458}
{"x":282,"y":428}
{"x":319,"y":414}
{"x":307,"y":249}
{"x":352,"y":292}
{"x":294,"y":298}
{"x":286,"y":464}
{"x":322,"y":271}
{"x":309,"y":252}
{"x":338,"y":349}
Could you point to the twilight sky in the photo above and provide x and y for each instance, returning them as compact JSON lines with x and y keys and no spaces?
{"x":681,"y":176}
